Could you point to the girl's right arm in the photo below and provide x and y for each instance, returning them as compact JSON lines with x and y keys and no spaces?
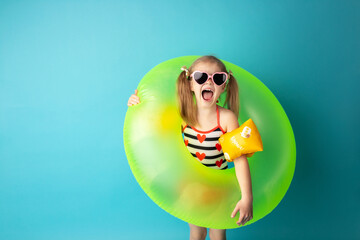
{"x":134,"y":99}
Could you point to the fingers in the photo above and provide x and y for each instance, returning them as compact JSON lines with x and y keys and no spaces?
{"x":234,"y":212}
{"x":243,"y":219}
{"x":245,"y":216}
{"x":134,"y":99}
{"x":248,"y":219}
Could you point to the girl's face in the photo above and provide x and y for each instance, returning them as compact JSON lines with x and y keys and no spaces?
{"x":208,"y":93}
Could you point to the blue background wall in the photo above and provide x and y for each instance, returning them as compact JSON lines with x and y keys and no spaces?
{"x":67,"y":69}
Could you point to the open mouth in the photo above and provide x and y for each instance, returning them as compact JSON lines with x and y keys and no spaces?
{"x":207,"y":94}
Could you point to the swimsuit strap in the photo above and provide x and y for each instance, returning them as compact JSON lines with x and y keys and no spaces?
{"x":218,"y":121}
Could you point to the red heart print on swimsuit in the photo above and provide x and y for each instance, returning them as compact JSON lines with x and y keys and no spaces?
{"x":186,"y":142}
{"x":200,"y":156}
{"x":201,"y":138}
{"x":218,"y":147}
{"x":218,"y":163}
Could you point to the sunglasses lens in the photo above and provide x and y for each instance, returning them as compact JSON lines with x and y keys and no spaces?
{"x":200,"y":77}
{"x":219,"y":78}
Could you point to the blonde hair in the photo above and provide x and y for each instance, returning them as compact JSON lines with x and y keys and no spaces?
{"x":186,"y":100}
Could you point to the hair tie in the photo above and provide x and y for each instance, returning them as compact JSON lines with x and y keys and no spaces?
{"x":230,"y":72}
{"x":183,"y":68}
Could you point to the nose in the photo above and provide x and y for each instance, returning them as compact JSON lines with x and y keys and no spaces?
{"x":210,"y":79}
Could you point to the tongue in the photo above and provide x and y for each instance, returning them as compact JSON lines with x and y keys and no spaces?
{"x":207,"y":95}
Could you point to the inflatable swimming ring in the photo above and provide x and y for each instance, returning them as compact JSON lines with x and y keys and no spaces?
{"x":182,"y":186}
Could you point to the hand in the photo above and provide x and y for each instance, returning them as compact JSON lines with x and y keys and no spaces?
{"x":245,"y":206}
{"x":134,"y":99}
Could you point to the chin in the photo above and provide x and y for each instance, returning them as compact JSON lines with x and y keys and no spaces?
{"x":208,"y":103}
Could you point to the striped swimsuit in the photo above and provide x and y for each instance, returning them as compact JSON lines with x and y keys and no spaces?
{"x":204,"y":145}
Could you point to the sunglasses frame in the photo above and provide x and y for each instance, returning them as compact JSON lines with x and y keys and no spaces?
{"x":212,"y":79}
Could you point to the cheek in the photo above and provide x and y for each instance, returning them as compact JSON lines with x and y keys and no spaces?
{"x":223,"y":89}
{"x":195,"y":87}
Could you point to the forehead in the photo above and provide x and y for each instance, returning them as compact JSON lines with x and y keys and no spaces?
{"x":209,"y":67}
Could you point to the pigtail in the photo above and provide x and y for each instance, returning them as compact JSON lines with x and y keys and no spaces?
{"x":232,"y":95}
{"x":186,"y":104}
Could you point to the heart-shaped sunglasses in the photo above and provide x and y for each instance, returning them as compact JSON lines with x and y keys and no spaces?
{"x":219,"y":78}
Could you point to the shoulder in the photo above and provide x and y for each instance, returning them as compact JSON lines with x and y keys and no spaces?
{"x":228,"y":119}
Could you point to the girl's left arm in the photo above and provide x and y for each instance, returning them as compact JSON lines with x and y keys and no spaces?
{"x":242,"y":170}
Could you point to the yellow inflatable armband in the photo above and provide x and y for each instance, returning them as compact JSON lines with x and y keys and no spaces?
{"x":243,"y":140}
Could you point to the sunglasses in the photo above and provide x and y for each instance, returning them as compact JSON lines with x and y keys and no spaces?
{"x":219,"y":78}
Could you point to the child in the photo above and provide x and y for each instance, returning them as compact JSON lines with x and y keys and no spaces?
{"x":206,"y":79}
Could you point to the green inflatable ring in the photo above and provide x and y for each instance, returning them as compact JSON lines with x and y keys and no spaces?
{"x":185,"y":188}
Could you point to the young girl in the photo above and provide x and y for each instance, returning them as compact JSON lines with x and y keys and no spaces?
{"x":204,"y":122}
